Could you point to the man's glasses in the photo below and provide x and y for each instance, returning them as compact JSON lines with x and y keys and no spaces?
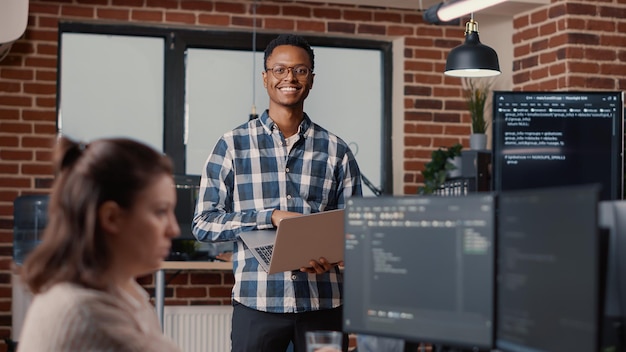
{"x":300,"y":71}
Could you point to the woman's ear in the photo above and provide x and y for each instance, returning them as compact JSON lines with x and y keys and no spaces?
{"x":110,"y":215}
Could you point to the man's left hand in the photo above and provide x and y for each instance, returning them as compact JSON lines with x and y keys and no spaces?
{"x":319,"y":267}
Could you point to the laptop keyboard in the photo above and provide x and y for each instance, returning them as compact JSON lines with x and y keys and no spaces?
{"x":265,"y":252}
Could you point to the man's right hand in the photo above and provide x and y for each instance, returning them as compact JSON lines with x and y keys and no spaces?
{"x":278,"y":215}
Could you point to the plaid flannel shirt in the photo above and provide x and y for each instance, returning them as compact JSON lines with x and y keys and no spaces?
{"x":250,"y":173}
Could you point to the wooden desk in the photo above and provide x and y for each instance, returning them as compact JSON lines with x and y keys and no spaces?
{"x":192,"y":265}
{"x":159,"y":282}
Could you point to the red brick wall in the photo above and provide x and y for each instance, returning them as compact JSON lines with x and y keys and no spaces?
{"x":569,"y":44}
{"x":193,"y":287}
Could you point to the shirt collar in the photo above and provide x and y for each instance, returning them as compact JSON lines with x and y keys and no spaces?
{"x":269,"y":124}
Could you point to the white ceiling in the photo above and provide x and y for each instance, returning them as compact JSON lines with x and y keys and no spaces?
{"x":507,"y":8}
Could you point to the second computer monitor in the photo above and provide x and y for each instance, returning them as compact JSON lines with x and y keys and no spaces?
{"x":549,"y":278}
{"x":421,"y":269}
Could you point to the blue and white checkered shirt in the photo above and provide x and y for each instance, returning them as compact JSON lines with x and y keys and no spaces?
{"x":250,"y":173}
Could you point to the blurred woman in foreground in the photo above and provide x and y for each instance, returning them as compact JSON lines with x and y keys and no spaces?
{"x":110,"y":220}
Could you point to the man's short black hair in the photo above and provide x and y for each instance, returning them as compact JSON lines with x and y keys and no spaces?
{"x":289,"y":39}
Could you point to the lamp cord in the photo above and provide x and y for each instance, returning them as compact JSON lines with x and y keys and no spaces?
{"x":253,"y":113}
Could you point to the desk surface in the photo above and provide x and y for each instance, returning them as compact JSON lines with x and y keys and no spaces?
{"x":193,"y":265}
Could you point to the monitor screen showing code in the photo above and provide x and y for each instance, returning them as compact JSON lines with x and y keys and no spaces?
{"x":421,"y":268}
{"x":544,"y":139}
{"x":548,"y":286}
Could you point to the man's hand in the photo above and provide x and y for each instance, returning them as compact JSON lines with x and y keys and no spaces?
{"x":278,"y":215}
{"x":225,"y":256}
{"x":319,"y":267}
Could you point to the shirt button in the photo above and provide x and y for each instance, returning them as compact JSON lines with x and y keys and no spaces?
{"x":289,"y":196}
{"x":293,"y":277}
{"x":287,"y":169}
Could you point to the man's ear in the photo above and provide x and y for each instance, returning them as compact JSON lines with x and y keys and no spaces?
{"x":264,"y":74}
{"x":109,"y":215}
{"x":311,"y":81}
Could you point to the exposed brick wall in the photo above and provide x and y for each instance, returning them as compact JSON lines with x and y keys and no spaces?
{"x":193,"y":287}
{"x":566,"y":45}
{"x":571,"y":45}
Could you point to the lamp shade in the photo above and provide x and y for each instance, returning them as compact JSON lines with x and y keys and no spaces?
{"x":13,"y":19}
{"x":472,"y":58}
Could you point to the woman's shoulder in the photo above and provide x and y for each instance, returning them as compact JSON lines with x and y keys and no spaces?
{"x":71,"y":292}
{"x":68,"y":299}
{"x":61,"y":313}
{"x":72,"y":315}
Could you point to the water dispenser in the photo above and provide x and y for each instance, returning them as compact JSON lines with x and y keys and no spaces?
{"x":30,"y":216}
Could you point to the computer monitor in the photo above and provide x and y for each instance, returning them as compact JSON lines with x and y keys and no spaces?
{"x":549,"y":277}
{"x":550,"y":139}
{"x":421,"y":269}
{"x":186,"y":246}
{"x":612,"y":219}
{"x":187,"y":187}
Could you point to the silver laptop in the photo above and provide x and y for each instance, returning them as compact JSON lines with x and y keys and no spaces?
{"x":298,"y":240}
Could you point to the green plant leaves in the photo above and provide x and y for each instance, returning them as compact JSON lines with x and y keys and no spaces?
{"x":477,"y":95}
{"x":436,"y":170}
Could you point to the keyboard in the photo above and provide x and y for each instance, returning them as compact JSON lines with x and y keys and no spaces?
{"x":265,"y":252}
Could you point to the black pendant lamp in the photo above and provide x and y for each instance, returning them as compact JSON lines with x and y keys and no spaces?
{"x":472,"y":59}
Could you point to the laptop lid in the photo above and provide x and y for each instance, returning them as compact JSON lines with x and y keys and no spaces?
{"x":302,"y":238}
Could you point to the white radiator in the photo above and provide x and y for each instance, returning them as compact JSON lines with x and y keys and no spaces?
{"x":199,"y":328}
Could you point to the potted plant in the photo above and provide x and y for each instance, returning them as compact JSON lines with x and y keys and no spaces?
{"x":477,"y":94}
{"x":437,"y":169}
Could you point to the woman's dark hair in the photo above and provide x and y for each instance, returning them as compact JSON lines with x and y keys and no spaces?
{"x":289,"y":39}
{"x":87,"y":175}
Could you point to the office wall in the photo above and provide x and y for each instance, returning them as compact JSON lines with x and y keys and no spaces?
{"x":567,"y":44}
{"x":571,"y":45}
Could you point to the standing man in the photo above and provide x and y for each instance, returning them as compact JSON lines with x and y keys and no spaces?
{"x":277,"y":166}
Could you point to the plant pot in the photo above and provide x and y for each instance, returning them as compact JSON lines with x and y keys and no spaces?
{"x":478,"y":141}
{"x":457,"y":161}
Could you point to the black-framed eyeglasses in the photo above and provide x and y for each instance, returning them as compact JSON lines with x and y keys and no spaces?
{"x":299,"y":71}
